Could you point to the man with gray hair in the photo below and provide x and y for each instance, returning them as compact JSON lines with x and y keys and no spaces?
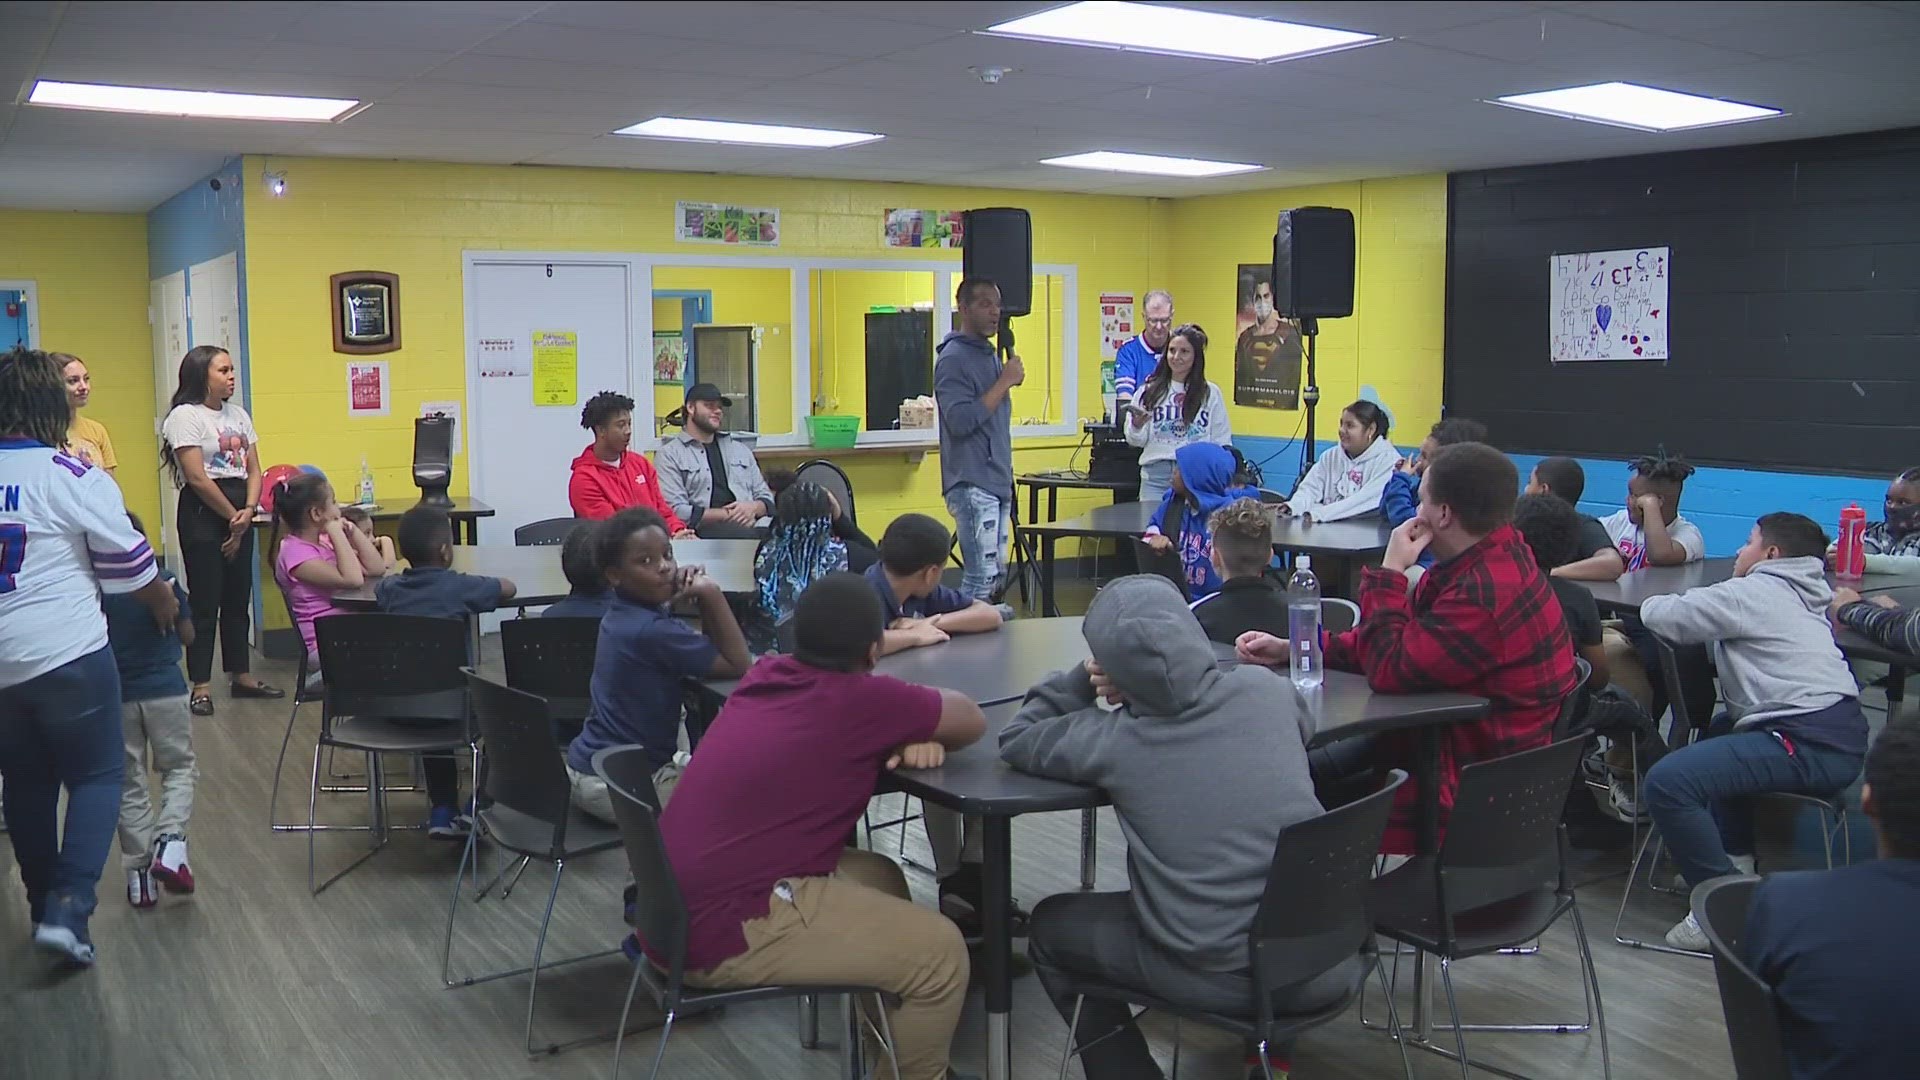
{"x":1134,"y":363}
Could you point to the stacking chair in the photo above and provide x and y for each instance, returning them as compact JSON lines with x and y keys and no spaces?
{"x":1774,"y":812}
{"x":660,"y":920}
{"x":530,"y":817}
{"x":392,"y":685}
{"x":554,"y":659}
{"x":1338,"y":616}
{"x":1752,"y":1012}
{"x":1499,"y":881}
{"x":834,"y":479}
{"x":547,"y":532}
{"x":1312,"y":917}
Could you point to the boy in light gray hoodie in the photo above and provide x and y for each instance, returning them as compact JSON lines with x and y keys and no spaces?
{"x":1792,"y":722}
{"x":1205,"y":767}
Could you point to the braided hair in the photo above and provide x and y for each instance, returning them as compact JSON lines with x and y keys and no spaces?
{"x":33,"y":398}
{"x":799,"y":549}
{"x":1661,"y":465}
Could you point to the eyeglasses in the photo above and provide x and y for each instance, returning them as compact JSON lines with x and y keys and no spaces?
{"x":1168,"y":321}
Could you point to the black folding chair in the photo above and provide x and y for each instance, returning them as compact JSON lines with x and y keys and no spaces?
{"x":1749,"y":1004}
{"x":1165,"y":564}
{"x":531,"y":817}
{"x":547,"y":532}
{"x":1499,"y":881}
{"x":834,"y":479}
{"x":660,"y":920}
{"x":392,"y":685}
{"x":1311,"y":919}
{"x":554,"y":659}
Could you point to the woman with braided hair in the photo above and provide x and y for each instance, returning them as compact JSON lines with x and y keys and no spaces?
{"x":800,"y":549}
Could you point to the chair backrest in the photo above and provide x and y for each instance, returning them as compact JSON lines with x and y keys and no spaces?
{"x":1313,"y":914}
{"x":1676,"y":682}
{"x":786,"y":634}
{"x":524,"y":770}
{"x":659,"y":909}
{"x":1503,"y":837}
{"x":1338,"y":616}
{"x":1573,"y":706}
{"x":834,"y":479}
{"x":1164,"y":563}
{"x":552,"y":658}
{"x":1751,"y":1008}
{"x":544,"y":533}
{"x":379,"y":664}
{"x":1270,"y":497}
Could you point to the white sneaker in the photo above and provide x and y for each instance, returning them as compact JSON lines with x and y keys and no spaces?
{"x":1686,"y":934}
{"x":1744,"y":864}
{"x":1625,"y":801}
{"x":140,"y":891}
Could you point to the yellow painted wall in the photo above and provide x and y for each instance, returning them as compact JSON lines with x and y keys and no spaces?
{"x":90,"y":271}
{"x":760,"y":297}
{"x":415,"y":219}
{"x":1394,"y":340}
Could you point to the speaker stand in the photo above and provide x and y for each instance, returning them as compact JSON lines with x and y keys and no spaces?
{"x":1309,"y":394}
{"x":1023,"y":562}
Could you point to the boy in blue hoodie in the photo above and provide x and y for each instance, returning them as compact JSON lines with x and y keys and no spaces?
{"x":1202,"y":484}
{"x":1400,"y":500}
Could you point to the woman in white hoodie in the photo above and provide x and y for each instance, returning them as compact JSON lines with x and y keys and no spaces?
{"x":1177,"y":406}
{"x":1348,"y":479}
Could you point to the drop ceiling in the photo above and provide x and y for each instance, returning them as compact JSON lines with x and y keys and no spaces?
{"x":543,"y":84}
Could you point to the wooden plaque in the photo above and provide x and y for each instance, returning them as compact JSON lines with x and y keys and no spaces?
{"x":366,"y":312}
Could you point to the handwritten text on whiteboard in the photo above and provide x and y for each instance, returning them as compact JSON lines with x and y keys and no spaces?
{"x":1610,"y":305}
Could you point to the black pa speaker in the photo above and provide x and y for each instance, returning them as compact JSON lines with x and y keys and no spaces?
{"x":1313,"y":263}
{"x":997,"y":244}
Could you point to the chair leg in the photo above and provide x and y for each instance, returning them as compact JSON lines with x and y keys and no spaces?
{"x":539,"y":946}
{"x":1089,"y":837}
{"x":809,"y":1021}
{"x":1593,"y":983}
{"x":508,"y":889}
{"x":660,"y":1054}
{"x":1393,"y":1015}
{"x":620,"y":1032}
{"x":453,"y":906}
{"x":1266,"y":1061}
{"x":1073,"y":1024}
{"x":886,"y":1035}
{"x":1453,"y":1013}
{"x":273,"y":800}
{"x":313,"y":808}
{"x":1626,"y":895}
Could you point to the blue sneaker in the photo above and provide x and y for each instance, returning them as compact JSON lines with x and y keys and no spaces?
{"x":63,"y":931}
{"x":444,"y":823}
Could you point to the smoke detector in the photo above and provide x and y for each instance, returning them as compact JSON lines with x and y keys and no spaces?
{"x":991,"y":75}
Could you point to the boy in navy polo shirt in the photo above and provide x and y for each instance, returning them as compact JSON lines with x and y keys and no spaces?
{"x":645,"y":655}
{"x":155,"y":720}
{"x":920,"y":610}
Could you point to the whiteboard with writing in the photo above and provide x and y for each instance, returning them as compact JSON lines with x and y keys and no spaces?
{"x":1610,"y":305}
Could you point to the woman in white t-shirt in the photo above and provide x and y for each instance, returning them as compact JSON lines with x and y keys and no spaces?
{"x":210,"y":445}
{"x":65,"y":538}
{"x":1176,"y":406}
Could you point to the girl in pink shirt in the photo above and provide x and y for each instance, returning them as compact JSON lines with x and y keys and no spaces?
{"x":322,"y":554}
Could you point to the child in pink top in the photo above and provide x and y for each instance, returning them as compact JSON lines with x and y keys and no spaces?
{"x":322,"y":554}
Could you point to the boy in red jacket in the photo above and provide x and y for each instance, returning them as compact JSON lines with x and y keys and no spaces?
{"x":609,"y":478}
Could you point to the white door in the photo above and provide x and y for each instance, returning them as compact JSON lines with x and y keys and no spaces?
{"x":214,"y":291}
{"x":167,"y":313}
{"x":520,"y":452}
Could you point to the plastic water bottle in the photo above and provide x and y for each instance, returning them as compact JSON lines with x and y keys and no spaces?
{"x":1850,"y":552}
{"x":1303,"y":625}
{"x":366,"y":483}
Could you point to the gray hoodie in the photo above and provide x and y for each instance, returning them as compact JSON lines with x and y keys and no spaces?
{"x":1205,"y":765}
{"x":976,"y":446}
{"x":1769,"y":636}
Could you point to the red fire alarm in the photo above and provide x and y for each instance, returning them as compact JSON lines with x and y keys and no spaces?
{"x":13,"y":309}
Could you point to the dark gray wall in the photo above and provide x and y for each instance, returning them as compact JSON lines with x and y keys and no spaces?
{"x":1795,"y":304}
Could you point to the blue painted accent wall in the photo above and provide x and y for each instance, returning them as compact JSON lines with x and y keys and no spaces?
{"x":198,"y":224}
{"x":1723,"y":503}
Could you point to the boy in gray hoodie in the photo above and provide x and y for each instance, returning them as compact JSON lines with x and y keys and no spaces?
{"x":1205,"y":766}
{"x":1792,"y":722}
{"x":973,"y":389}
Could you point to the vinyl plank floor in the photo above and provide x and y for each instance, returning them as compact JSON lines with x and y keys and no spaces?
{"x":251,"y":977}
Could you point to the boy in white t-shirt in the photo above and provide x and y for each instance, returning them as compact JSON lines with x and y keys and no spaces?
{"x":1650,"y":531}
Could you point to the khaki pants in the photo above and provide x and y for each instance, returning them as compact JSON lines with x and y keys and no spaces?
{"x":858,"y":927}
{"x":162,"y":728}
{"x":591,"y":797}
{"x":1625,"y":668}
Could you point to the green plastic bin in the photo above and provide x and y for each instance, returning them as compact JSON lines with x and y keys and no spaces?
{"x":833,"y":432}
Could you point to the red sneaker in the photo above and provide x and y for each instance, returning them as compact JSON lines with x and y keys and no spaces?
{"x":170,"y":863}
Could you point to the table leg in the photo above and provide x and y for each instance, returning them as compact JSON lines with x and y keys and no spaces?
{"x":1053,"y":504}
{"x":1047,"y":606}
{"x":997,"y":951}
{"x":1426,"y":842}
{"x":1033,"y":502}
{"x":1089,"y":836}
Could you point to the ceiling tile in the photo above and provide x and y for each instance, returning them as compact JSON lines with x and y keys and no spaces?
{"x":751,"y":28}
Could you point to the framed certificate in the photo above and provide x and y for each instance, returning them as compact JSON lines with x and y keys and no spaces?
{"x":366,"y":312}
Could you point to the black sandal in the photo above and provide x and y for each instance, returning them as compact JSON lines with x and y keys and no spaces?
{"x":201,"y":704}
{"x":258,"y":690}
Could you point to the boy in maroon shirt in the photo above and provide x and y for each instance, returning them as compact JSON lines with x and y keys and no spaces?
{"x":1484,"y":620}
{"x":758,"y":826}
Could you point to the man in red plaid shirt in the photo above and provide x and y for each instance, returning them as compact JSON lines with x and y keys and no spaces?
{"x":1482,"y":621}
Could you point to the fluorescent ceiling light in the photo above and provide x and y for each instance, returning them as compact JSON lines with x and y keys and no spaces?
{"x":723,"y":131}
{"x":1631,"y":105}
{"x":1179,"y":31}
{"x":1151,"y":164}
{"x":201,"y":103}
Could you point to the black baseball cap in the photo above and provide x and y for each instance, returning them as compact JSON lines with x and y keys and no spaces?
{"x":706,"y":391}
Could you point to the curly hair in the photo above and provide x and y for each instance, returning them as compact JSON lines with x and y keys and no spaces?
{"x":33,"y":397}
{"x":1457,"y":429}
{"x":604,"y":406}
{"x":1243,"y":535}
{"x":1661,"y":465}
{"x":1550,"y":526}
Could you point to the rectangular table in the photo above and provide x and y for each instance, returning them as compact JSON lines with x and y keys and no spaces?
{"x":1053,"y":481}
{"x":465,"y":512}
{"x":1355,"y":538}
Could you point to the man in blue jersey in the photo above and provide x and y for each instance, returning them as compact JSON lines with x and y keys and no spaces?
{"x":1133,"y":365}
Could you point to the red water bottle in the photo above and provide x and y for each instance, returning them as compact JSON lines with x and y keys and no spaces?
{"x":1850,"y":554}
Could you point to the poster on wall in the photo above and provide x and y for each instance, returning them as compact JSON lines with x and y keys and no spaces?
{"x":1266,"y":347}
{"x":923,"y":228}
{"x":717,"y":223}
{"x":669,"y":357}
{"x":368,"y":391}
{"x":504,"y":358}
{"x":1116,"y":323}
{"x":556,"y":367}
{"x":1609,"y":305}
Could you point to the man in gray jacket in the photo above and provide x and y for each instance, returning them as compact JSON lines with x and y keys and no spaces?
{"x":972,"y":388}
{"x":1793,"y":721}
{"x":1205,"y":767}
